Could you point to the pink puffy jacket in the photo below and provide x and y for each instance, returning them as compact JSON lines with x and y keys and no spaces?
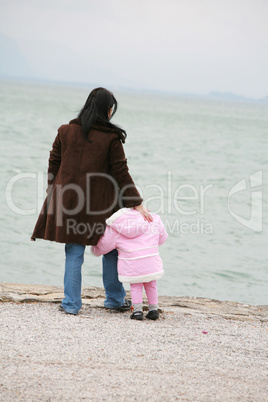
{"x":137,"y":243}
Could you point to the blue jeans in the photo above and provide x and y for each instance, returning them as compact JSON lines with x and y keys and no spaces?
{"x":114,"y":290}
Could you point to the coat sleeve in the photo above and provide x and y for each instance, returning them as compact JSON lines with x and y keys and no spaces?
{"x":54,"y":161}
{"x":106,"y":243}
{"x":162,"y":233}
{"x":129,"y":195}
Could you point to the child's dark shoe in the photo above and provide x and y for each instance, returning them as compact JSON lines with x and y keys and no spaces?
{"x":137,"y":315}
{"x":153,"y":315}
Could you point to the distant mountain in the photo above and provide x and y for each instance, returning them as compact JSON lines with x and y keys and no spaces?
{"x":264,"y":100}
{"x":49,"y":60}
{"x":41,"y":60}
{"x":234,"y":97}
{"x":13,"y":63}
{"x":225,"y":95}
{"x":54,"y":61}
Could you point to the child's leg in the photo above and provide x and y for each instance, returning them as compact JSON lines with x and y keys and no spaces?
{"x":152,"y":294}
{"x":136,"y":295}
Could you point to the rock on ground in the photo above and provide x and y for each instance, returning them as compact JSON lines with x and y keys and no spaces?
{"x":94,"y":297}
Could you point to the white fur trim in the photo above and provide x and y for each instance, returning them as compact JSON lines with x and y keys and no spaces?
{"x":141,"y":278}
{"x":137,"y":258}
{"x":117,"y":215}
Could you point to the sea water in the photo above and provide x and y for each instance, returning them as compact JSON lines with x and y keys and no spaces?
{"x":200,"y":163}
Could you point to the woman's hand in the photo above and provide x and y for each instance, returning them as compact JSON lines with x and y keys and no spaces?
{"x":144,"y":212}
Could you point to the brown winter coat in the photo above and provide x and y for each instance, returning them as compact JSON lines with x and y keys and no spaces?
{"x":87,"y":182}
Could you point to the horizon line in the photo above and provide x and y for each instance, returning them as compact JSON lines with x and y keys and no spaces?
{"x":214,"y":94}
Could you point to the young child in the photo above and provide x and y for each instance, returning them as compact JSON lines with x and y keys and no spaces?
{"x":139,"y":262}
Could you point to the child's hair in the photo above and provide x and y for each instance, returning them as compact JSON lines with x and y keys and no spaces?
{"x":94,"y":113}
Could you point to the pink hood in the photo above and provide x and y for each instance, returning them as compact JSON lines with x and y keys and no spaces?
{"x":128,"y":222}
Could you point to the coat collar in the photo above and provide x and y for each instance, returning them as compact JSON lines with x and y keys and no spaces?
{"x":75,"y":121}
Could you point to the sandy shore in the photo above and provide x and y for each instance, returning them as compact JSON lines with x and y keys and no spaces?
{"x":101,"y":355}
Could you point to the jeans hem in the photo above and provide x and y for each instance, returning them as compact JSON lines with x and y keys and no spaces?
{"x":112,"y":306}
{"x":67,"y":310}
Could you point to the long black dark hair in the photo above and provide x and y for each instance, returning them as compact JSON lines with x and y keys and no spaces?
{"x":94,"y":113}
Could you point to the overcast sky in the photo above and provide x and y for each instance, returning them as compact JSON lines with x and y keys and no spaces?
{"x":186,"y":46}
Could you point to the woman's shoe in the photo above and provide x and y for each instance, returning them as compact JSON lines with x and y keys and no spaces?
{"x":64,"y":311}
{"x":126,"y":306}
{"x":137,"y":315}
{"x":153,"y":315}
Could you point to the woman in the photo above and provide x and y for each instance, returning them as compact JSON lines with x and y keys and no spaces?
{"x":88,"y":180}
